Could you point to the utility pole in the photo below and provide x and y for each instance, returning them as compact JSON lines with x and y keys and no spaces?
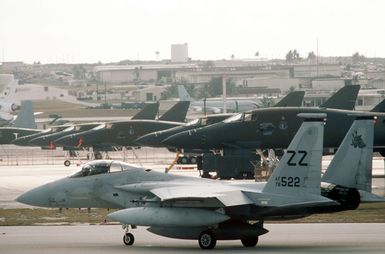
{"x":224,"y":94}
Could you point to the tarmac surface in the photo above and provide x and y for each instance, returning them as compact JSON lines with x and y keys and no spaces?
{"x":282,"y":238}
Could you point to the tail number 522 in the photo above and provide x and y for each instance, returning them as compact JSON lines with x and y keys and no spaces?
{"x":287,"y":181}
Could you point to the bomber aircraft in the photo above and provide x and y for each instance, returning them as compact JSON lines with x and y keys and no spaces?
{"x":208,"y":210}
{"x":215,"y":105}
{"x":271,"y":128}
{"x":45,"y":138}
{"x":123,"y":133}
{"x":154,"y":139}
{"x":343,"y":99}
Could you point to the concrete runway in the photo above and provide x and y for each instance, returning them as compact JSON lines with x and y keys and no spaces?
{"x":282,"y":238}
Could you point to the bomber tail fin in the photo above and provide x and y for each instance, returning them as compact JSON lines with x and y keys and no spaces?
{"x":176,"y":113}
{"x":293,"y":99}
{"x":352,"y":164}
{"x":345,"y":98}
{"x":380,"y":107}
{"x":299,"y":171}
{"x":26,"y":117}
{"x":149,"y":112}
{"x":183,"y":94}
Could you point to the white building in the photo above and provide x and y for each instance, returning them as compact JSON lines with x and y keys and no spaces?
{"x":179,"y":53}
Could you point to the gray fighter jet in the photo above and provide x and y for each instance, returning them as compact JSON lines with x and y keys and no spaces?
{"x":23,"y":125}
{"x":209,"y":210}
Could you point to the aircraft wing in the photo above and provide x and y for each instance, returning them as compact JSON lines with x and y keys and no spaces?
{"x":219,"y":194}
{"x":226,"y":196}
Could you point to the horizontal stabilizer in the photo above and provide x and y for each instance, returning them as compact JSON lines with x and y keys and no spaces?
{"x":367,"y":197}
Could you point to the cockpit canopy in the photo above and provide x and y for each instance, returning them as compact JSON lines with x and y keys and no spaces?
{"x":102,"y":167}
{"x":246,"y":116}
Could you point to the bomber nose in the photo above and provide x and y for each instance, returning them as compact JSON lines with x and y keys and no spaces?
{"x":185,"y":139}
{"x":19,"y":141}
{"x":40,"y":141}
{"x":149,"y":140}
{"x":69,"y":140}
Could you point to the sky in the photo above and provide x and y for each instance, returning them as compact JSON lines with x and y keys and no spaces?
{"x":89,"y":31}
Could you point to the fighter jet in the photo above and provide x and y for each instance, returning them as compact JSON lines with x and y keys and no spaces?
{"x":123,"y":133}
{"x":23,"y":125}
{"x":209,"y":210}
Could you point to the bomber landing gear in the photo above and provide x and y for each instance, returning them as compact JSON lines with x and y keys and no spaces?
{"x":128,"y":238}
{"x":207,"y":240}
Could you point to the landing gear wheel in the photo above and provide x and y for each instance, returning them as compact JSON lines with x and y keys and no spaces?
{"x":67,"y":163}
{"x":128,"y":239}
{"x":184,"y":160}
{"x":193,"y":160}
{"x":98,"y":156}
{"x":207,"y":240}
{"x":249,"y":241}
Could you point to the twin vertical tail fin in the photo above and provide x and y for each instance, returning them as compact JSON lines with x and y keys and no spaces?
{"x":183,"y":94}
{"x":352,"y":164}
{"x":299,"y":171}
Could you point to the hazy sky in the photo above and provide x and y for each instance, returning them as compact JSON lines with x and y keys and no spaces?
{"x":112,"y":30}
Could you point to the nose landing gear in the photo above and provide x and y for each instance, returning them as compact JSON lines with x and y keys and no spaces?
{"x":128,"y":238}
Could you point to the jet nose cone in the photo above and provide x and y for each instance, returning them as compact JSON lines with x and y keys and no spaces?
{"x":19,"y":141}
{"x":151,"y":139}
{"x":70,"y":140}
{"x":185,"y":139}
{"x":36,"y":197}
{"x":40,"y":141}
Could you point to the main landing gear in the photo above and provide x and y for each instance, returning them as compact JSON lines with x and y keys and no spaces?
{"x":207,"y":239}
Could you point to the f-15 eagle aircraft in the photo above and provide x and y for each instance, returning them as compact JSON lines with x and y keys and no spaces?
{"x":208,"y":210}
